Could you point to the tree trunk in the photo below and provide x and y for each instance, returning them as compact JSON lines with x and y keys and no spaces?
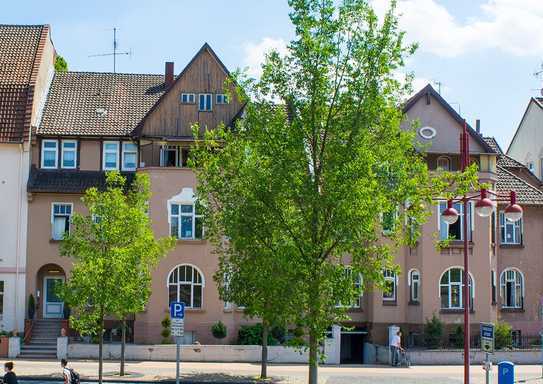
{"x":123,"y":345}
{"x":313,"y":358}
{"x":264,"y":359}
{"x":101,"y":350}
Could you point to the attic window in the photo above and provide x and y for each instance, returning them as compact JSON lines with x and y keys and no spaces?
{"x":427,"y":133}
{"x":101,"y":112}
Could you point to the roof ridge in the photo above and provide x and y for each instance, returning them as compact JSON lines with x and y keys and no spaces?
{"x":520,"y":179}
{"x":24,"y":25}
{"x":108,"y":73}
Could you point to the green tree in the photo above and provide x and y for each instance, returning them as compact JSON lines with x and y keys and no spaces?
{"x":504,"y":337}
{"x":114,"y":252}
{"x":60,"y":64}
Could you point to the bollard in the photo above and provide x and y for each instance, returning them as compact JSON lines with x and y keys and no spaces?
{"x":506,"y":372}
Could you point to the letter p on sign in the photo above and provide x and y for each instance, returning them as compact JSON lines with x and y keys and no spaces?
{"x":177,"y":310}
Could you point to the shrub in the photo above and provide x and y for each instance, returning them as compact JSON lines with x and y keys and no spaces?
{"x":433,"y":332}
{"x":458,"y":337}
{"x":166,"y":332}
{"x":252,"y":335}
{"x":218,"y":330}
{"x":503,"y":335}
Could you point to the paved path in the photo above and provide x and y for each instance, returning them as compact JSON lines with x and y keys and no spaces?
{"x":243,"y":372}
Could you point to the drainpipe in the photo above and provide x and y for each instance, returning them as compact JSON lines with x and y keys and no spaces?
{"x":18,"y":250}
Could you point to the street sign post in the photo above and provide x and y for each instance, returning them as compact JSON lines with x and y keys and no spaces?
{"x":177,"y":316}
{"x":487,"y":345}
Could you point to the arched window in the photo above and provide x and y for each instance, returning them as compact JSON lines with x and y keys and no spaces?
{"x":414,"y":285}
{"x":451,"y":289}
{"x":185,"y":284}
{"x":512,"y":288}
{"x":443,"y":163}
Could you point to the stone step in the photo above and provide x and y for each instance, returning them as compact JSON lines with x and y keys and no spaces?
{"x":38,"y":346}
{"x":39,"y":353}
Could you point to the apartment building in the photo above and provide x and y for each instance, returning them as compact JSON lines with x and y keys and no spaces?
{"x":26,"y":69}
{"x":96,"y":122}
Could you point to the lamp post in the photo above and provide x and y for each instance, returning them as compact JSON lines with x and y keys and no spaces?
{"x":483,"y":207}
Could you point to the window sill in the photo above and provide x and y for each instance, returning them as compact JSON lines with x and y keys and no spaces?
{"x":390,"y":303}
{"x":459,"y":244}
{"x":512,"y":246}
{"x":453,"y":311}
{"x":512,"y":310}
{"x":53,"y":241}
{"x":355,"y":310}
{"x":413,"y":302}
{"x":191,"y":241}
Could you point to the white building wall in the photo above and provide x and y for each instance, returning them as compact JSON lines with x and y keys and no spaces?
{"x":527,"y":145}
{"x":13,"y":228}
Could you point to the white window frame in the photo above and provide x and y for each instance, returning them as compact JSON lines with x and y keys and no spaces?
{"x":531,"y":166}
{"x":110,"y":151}
{"x":223,"y":97}
{"x":471,"y":288}
{"x":125,"y":151}
{"x":390,"y":275}
{"x":49,"y":149}
{"x":506,"y":225}
{"x":448,"y":159}
{"x":62,"y":151}
{"x":207,"y":108}
{"x":71,"y":205}
{"x":189,"y":96}
{"x":185,"y":197}
{"x":442,"y":205}
{"x":202,"y":284}
{"x":412,"y":282}
{"x":517,"y":285}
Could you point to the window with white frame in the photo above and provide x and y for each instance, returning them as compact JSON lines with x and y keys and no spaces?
{"x":130,"y":156}
{"x":414,"y":286}
{"x":531,"y":166}
{"x":443,"y":163}
{"x":111,"y":155}
{"x":510,"y":231}
{"x":68,"y":154}
{"x":60,"y":219}
{"x":226,"y":284}
{"x":2,"y":284}
{"x":49,"y":153}
{"x":455,"y":231}
{"x":186,"y":222}
{"x":512,"y":288}
{"x":451,"y":289}
{"x":174,"y":156}
{"x":221,"y":98}
{"x":493,"y":285}
{"x":185,"y":284}
{"x":188,"y":98}
{"x":389,"y":293}
{"x":205,"y":102}
{"x":357,"y":282}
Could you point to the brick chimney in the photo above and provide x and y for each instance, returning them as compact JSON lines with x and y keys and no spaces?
{"x":168,"y":74}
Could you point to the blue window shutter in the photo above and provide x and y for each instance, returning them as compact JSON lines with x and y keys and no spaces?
{"x":208,"y":97}
{"x":202,"y":102}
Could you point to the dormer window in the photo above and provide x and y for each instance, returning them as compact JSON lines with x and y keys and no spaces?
{"x":188,"y":98}
{"x":221,"y":98}
{"x":49,"y":154}
{"x":206,"y":102}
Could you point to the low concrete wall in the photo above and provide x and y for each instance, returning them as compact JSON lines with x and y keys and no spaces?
{"x":456,"y":357}
{"x":217,"y":353}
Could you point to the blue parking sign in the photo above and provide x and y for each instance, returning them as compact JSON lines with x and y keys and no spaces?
{"x":177,"y":310}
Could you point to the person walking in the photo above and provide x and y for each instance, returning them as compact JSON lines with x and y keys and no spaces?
{"x":9,"y":377}
{"x":66,"y":372}
{"x":396,"y":346}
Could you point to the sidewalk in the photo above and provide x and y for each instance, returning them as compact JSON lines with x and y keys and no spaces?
{"x":246,"y":373}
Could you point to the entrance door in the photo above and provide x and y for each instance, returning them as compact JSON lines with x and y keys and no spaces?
{"x":53,"y":306}
{"x":352,"y":347}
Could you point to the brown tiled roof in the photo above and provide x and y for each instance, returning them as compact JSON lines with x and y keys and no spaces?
{"x":68,"y":181}
{"x":98,"y":104}
{"x":526,"y":193}
{"x":493,"y":144}
{"x":21,"y":47}
{"x":509,"y":162}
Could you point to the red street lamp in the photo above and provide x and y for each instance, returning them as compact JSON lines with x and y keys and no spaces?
{"x":483,"y":207}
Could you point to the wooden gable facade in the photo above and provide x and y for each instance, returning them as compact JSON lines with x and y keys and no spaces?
{"x":172,"y":119}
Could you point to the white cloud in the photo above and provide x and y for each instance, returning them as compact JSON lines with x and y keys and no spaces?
{"x":512,"y":26}
{"x":255,"y":53}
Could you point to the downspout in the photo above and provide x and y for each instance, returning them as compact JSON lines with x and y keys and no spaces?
{"x":18,"y":249}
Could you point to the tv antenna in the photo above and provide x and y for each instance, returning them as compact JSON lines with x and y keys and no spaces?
{"x":114,"y":53}
{"x":439,"y":84}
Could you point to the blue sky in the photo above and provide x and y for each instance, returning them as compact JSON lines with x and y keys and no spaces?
{"x":484,"y":52}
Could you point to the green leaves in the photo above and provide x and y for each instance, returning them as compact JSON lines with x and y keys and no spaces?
{"x":114,"y":253}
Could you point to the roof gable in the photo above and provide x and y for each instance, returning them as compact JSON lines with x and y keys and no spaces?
{"x":533,"y":104}
{"x":444,"y":120}
{"x":189,"y":80}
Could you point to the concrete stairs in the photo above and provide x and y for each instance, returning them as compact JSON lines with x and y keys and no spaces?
{"x":43,"y":341}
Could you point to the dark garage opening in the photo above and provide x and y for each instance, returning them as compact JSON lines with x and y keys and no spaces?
{"x":352,"y":346}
